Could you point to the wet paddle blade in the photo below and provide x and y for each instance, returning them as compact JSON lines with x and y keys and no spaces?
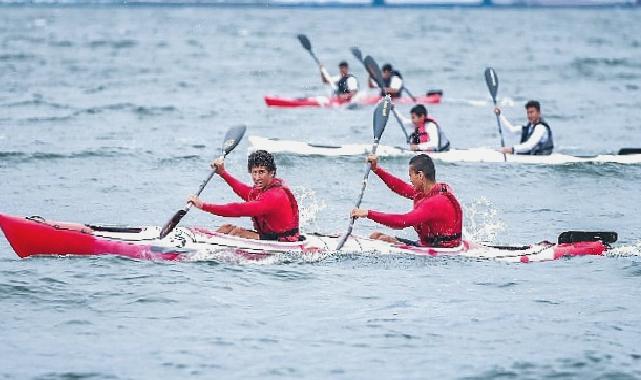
{"x":492,"y":82}
{"x":304,"y":41}
{"x":374,"y":70}
{"x":232,"y":138}
{"x":381,"y":115}
{"x":626,"y":151}
{"x":607,"y":237}
{"x":173,"y":222}
{"x":356,"y":52}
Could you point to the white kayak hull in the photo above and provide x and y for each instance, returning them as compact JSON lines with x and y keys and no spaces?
{"x":472,"y":155}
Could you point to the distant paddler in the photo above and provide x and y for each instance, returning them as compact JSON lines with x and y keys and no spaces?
{"x":270,"y":203}
{"x":536,"y":136}
{"x":345,"y":85}
{"x":392,"y":81}
{"x":427,"y":135}
{"x":436,"y":215}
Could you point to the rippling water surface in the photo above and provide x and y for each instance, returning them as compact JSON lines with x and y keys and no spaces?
{"x":111,"y":115}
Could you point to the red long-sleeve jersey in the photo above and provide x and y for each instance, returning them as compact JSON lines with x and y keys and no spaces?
{"x":273,"y":209}
{"x":436,"y":216}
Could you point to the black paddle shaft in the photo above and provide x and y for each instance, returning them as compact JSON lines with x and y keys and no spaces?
{"x":381,"y":115}
{"x":232,"y":138}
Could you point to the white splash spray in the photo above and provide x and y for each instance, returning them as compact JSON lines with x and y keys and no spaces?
{"x":481,"y":222}
{"x":309,"y":205}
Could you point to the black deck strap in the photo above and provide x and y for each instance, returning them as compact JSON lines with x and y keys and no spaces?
{"x":116,"y":229}
{"x":607,"y":237}
{"x":626,"y":151}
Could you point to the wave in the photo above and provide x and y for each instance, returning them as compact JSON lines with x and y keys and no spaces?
{"x":17,"y":157}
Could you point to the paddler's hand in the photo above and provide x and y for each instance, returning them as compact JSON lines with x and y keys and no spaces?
{"x":497,"y":111}
{"x":506,"y":150}
{"x":195,"y":201}
{"x":359,"y":213}
{"x":218,"y":165}
{"x":373,"y":160}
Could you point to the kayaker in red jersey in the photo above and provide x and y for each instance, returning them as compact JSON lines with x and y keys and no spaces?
{"x":428,"y":134}
{"x":270,"y":204}
{"x":436,"y":216}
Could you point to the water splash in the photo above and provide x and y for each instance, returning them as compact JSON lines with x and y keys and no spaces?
{"x":481,"y":221}
{"x":309,"y":206}
{"x":627,"y":250}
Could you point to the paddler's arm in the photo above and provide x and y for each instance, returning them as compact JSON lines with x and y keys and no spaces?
{"x":397,"y":221}
{"x":395,"y":184}
{"x":239,"y":188}
{"x":264,"y":206}
{"x":535,"y":138}
{"x":325,"y":77}
{"x":515,"y":129}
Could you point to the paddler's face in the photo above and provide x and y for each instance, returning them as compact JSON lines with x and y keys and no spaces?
{"x":261,"y":176}
{"x":418,"y":120}
{"x":344,"y":70}
{"x":387,"y":74}
{"x":416,"y":178}
{"x":533,"y":115}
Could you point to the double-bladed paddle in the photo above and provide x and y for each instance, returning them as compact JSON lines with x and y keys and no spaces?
{"x":232,"y":138}
{"x":307,"y":45}
{"x":356,"y":52}
{"x":381,"y":114}
{"x":493,"y":85}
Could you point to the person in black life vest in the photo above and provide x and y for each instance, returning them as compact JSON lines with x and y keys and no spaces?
{"x":536,"y":136}
{"x":269,"y":202}
{"x":428,"y":135}
{"x":392,"y":81}
{"x":346,"y":84}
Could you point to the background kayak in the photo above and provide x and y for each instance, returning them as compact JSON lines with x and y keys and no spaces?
{"x":334,"y":101}
{"x":478,"y":155}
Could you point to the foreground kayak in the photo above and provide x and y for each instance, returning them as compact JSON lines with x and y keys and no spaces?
{"x":37,"y":236}
{"x":334,"y":101}
{"x":630,"y":156}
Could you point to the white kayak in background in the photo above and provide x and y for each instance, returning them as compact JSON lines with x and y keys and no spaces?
{"x":480,"y":155}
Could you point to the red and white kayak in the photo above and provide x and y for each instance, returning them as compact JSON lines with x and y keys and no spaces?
{"x":335,"y":101}
{"x":37,"y":236}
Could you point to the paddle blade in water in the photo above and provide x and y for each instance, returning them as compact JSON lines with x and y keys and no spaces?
{"x":173,"y":222}
{"x":232,"y":138}
{"x":374,"y":70}
{"x":381,"y":114}
{"x":356,"y":52}
{"x":304,"y":41}
{"x":492,"y":82}
{"x":626,"y":151}
{"x":606,"y":237}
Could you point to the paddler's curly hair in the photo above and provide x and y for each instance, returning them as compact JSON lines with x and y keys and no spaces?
{"x":261,"y":158}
